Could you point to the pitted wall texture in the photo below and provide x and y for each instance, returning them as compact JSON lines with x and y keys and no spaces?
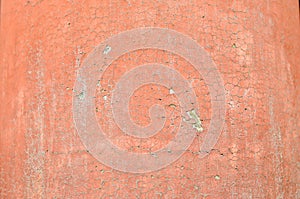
{"x":255,"y":46}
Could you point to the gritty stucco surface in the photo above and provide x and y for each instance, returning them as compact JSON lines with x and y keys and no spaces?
{"x":255,"y":45}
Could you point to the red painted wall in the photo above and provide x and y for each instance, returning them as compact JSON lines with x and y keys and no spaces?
{"x":255,"y":46}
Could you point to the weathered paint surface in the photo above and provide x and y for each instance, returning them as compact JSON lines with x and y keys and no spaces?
{"x":255,"y":45}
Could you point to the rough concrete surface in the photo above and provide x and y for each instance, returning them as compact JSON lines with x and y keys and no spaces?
{"x":255,"y":47}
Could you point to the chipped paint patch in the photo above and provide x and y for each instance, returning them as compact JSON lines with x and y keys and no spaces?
{"x":171,"y":91}
{"x":81,"y":95}
{"x":197,"y":125}
{"x":217,"y":177}
{"x":106,"y":50}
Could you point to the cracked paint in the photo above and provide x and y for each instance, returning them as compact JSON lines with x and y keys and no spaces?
{"x":255,"y":45}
